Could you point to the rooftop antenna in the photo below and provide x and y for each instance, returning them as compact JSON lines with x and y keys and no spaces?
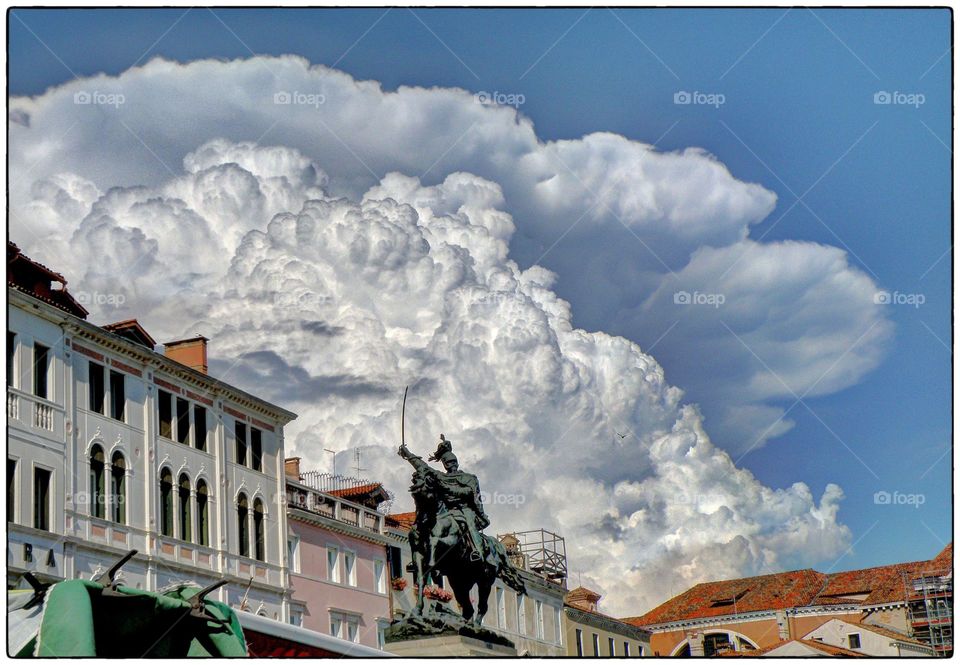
{"x":356,"y":466}
{"x":333,"y":460}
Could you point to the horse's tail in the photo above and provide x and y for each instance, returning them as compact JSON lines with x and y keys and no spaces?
{"x":511,"y":577}
{"x":505,"y":569}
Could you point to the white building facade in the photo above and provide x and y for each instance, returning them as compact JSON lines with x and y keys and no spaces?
{"x":113,"y":446}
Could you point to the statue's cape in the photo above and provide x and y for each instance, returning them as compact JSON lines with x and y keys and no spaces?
{"x":457,"y":481}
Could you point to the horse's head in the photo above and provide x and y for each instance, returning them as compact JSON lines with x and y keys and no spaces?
{"x":423,"y":487}
{"x":427,"y":499}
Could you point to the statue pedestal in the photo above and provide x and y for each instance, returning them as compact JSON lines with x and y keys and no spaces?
{"x":449,"y":645}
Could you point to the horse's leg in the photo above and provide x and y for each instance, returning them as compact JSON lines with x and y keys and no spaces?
{"x":416,"y":552}
{"x":462,"y":593}
{"x":483,"y":595}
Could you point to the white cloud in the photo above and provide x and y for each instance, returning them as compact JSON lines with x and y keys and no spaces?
{"x":332,"y":304}
{"x":332,"y":307}
{"x":609,"y":216}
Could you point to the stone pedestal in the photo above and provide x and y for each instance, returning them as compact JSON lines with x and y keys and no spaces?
{"x":449,"y":645}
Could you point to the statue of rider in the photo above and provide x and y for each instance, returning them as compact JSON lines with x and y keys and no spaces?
{"x":459,"y":493}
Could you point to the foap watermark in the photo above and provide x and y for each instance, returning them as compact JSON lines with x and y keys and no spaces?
{"x":301,"y":300}
{"x":896,"y":498}
{"x":497,"y":98}
{"x":98,"y":98}
{"x":500,"y":499}
{"x":697,"y":98}
{"x":700,"y":500}
{"x":100,"y":299}
{"x":491,"y":298}
{"x":897,"y":98}
{"x":697,"y":298}
{"x":297,"y":98}
{"x":897,"y":298}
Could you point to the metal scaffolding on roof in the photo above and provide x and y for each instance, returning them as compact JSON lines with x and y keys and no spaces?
{"x":929,"y":597}
{"x":539,"y":551}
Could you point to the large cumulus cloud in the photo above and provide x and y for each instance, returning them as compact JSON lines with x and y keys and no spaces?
{"x":615,"y":220}
{"x":331,"y":304}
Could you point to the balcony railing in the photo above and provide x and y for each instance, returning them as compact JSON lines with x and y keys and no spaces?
{"x":33,"y":412}
{"x":334,"y":508}
{"x":43,"y":416}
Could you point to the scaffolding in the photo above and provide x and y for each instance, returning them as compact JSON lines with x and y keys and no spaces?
{"x":539,"y":551}
{"x":930,"y":609}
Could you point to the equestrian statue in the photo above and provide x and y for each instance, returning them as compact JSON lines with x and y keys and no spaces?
{"x":447,"y":537}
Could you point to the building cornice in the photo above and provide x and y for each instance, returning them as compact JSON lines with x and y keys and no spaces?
{"x":746,"y":617}
{"x":156,"y":361}
{"x":336,"y":525}
{"x":609,"y":624}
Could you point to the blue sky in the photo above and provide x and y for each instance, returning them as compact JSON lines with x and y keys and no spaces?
{"x":798,"y":118}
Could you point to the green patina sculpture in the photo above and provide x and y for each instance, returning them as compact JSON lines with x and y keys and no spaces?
{"x":447,"y":540}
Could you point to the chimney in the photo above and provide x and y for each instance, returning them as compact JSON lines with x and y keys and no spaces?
{"x":583,"y":598}
{"x":190,"y":352}
{"x":291,"y":468}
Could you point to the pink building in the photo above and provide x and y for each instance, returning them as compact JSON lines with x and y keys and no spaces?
{"x":339,"y":571}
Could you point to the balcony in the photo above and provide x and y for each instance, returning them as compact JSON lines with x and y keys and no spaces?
{"x":334,"y":508}
{"x":35,"y":413}
{"x":13,"y":406}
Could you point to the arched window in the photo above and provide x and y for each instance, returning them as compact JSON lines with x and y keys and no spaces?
{"x":166,"y":502}
{"x":243,"y":532}
{"x":97,"y":489}
{"x":118,"y":488}
{"x":184,"y":496}
{"x":203,"y":519}
{"x":259,"y":552}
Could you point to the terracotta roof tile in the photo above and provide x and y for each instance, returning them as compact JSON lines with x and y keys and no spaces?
{"x":582,"y":593}
{"x":402,"y":520}
{"x":881,"y":584}
{"x":887,"y":632}
{"x":765,"y":592}
{"x":799,"y":588}
{"x":945,"y":558}
{"x":832,"y":650}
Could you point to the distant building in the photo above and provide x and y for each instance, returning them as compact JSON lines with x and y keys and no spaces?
{"x":869,"y":640}
{"x":800,"y":648}
{"x":930,"y":603}
{"x":588,"y":632}
{"x":754,"y":613}
{"x":337,"y":545}
{"x":113,"y":446}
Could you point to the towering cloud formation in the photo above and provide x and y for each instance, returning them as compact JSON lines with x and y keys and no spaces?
{"x":329,"y":277}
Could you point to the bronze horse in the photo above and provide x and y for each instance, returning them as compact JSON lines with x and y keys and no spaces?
{"x":436,"y":536}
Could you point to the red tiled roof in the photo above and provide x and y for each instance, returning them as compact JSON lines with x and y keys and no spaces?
{"x":766,"y":592}
{"x":945,"y":558}
{"x":887,"y":632}
{"x":827,"y":649}
{"x":353,"y":491}
{"x":14,"y":252}
{"x":582,"y":593}
{"x":35,"y":279}
{"x":402,"y":520}
{"x":368,"y":494}
{"x":131,"y":329}
{"x":832,"y":650}
{"x":800,"y":588}
{"x":882,"y":584}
